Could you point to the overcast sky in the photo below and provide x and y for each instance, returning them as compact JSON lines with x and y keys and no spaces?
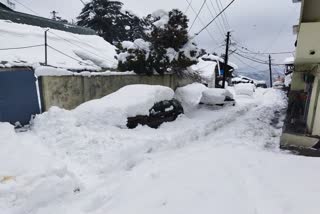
{"x":260,"y":25}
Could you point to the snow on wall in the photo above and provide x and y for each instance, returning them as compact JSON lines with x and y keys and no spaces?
{"x":87,"y":52}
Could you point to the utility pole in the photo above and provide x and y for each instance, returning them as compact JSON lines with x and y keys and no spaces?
{"x":54,"y":15}
{"x":226,"y":58}
{"x":270,"y":68}
{"x":46,"y":47}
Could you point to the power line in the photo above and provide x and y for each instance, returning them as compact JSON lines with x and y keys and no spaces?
{"x":218,"y":20}
{"x":257,"y":60}
{"x":188,"y":7}
{"x":83,"y":2}
{"x":217,"y":24}
{"x":244,"y":63}
{"x":273,"y":42}
{"x":201,"y":21}
{"x":80,"y":46}
{"x":224,"y":16}
{"x":221,"y":12}
{"x":194,"y":21}
{"x":257,"y":53}
{"x":68,"y":55}
{"x":28,"y":8}
{"x":18,"y":48}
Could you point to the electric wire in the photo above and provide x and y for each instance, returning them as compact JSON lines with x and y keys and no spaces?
{"x":221,"y":12}
{"x":202,"y":23}
{"x":197,"y":16}
{"x":28,"y":8}
{"x":85,"y":49}
{"x":218,"y":20}
{"x":224,"y":15}
{"x":71,"y":57}
{"x":222,"y":33}
{"x":18,"y":48}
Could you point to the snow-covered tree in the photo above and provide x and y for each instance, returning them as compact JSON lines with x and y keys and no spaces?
{"x":110,"y":21}
{"x":170,"y":47}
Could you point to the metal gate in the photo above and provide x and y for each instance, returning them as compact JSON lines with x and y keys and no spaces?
{"x":18,"y":96}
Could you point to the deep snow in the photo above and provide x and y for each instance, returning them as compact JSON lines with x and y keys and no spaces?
{"x":211,"y":160}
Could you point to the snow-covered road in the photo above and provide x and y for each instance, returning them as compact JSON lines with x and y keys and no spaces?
{"x":212,"y":160}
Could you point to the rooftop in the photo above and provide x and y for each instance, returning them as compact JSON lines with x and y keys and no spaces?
{"x":24,"y":46}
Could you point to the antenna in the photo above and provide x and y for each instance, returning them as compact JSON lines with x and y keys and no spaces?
{"x":54,"y":15}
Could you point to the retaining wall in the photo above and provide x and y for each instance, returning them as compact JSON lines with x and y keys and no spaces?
{"x":69,"y":92}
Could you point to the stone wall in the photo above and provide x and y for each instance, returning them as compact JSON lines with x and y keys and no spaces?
{"x":69,"y":92}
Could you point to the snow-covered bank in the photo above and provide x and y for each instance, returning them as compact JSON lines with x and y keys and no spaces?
{"x":212,"y":159}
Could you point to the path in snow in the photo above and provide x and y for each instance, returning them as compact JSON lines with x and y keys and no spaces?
{"x":212,"y":160}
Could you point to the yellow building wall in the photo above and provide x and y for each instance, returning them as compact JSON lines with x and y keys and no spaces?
{"x":313,"y":104}
{"x":316,"y":127}
{"x":316,"y":105}
{"x":297,"y":83}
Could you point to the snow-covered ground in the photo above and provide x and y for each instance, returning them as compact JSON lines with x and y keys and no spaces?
{"x":211,"y":160}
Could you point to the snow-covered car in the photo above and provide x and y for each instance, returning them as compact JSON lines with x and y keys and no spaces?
{"x":131,"y":105}
{"x":246,"y":89}
{"x":261,"y":84}
{"x":217,"y":96}
{"x":164,"y":111}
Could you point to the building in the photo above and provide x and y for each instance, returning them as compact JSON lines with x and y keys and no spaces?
{"x":210,"y":68}
{"x":303,"y":118}
{"x":31,"y":45}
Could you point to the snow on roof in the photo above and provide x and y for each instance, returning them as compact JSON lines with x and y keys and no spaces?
{"x":51,"y":71}
{"x":289,"y":60}
{"x":217,"y":58}
{"x":205,"y":69}
{"x":73,"y":51}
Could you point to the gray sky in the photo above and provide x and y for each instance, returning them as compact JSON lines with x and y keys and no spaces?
{"x":264,"y":26}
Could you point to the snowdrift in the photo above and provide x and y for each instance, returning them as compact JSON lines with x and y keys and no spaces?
{"x":112,"y":110}
{"x":244,"y":89}
{"x":190,"y":95}
{"x":215,"y":96}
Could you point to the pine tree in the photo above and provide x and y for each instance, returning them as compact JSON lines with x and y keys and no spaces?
{"x":170,"y":47}
{"x":108,"y":19}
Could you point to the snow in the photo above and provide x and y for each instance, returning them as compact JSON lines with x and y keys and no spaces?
{"x":163,"y":18}
{"x":136,"y":44}
{"x":50,"y":71}
{"x":206,"y":70}
{"x":190,"y":95}
{"x":214,"y":96}
{"x":217,"y":58}
{"x":289,"y":60}
{"x":245,"y":89}
{"x":288,"y":80}
{"x":113,"y":109}
{"x":223,"y":160}
{"x":88,"y":52}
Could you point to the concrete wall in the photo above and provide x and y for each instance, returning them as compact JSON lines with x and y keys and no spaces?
{"x":298,"y":83}
{"x":70,"y":91}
